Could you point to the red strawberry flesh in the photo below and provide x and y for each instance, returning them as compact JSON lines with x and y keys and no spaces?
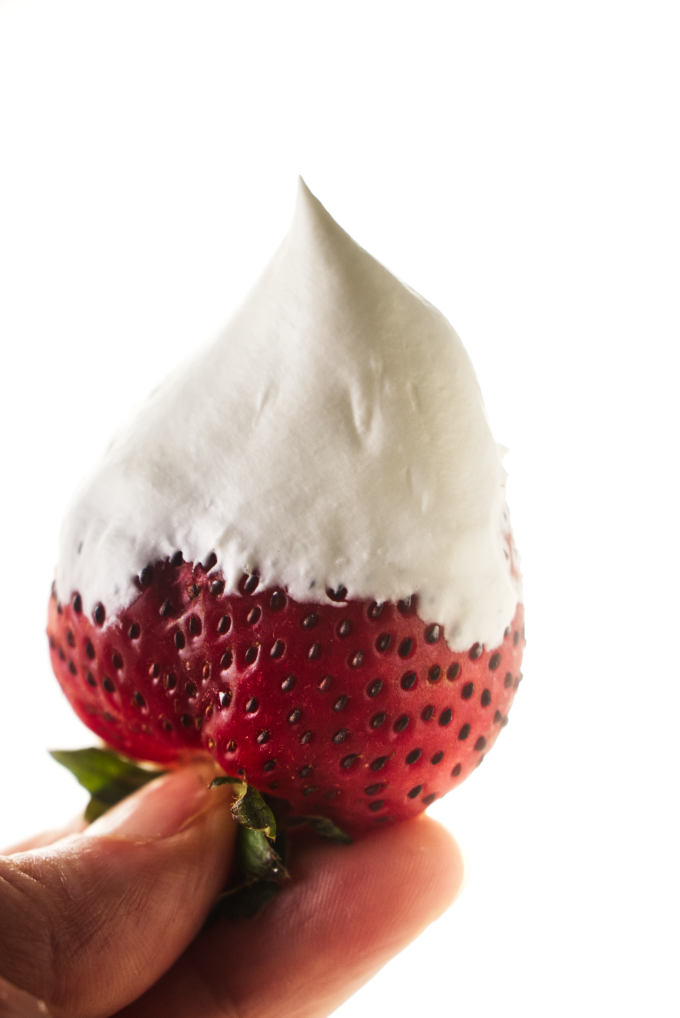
{"x":347,"y":709}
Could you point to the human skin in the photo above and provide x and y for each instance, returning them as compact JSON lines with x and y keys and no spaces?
{"x":110,"y":919}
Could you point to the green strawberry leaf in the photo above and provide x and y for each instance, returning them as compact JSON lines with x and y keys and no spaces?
{"x":260,"y":872}
{"x":106,"y":775}
{"x":257,"y":857}
{"x":250,"y":809}
{"x":253,"y":813}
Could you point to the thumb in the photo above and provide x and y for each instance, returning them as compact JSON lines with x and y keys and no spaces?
{"x":89,"y":923}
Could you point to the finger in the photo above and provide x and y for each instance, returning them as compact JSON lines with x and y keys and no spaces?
{"x":87,"y":924}
{"x":347,"y":911}
{"x":48,"y":837}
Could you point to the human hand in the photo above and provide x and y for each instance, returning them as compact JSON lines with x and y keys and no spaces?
{"x":109,"y":919}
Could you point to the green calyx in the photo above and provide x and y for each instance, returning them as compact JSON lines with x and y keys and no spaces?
{"x":262,"y":842}
{"x":250,"y":808}
{"x":260,"y":870}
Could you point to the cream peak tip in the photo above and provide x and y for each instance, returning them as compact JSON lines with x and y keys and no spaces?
{"x":308,"y":209}
{"x":304,"y":197}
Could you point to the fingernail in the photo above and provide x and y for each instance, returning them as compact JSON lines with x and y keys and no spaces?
{"x":163,"y":807}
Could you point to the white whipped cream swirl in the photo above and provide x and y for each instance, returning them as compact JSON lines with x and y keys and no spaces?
{"x":333,"y":434}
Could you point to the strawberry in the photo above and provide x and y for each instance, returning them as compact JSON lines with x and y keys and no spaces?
{"x":341,"y":708}
{"x":347,"y":709}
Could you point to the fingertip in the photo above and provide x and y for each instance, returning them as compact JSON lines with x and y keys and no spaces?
{"x":404,"y":876}
{"x":419,"y":859}
{"x":445,"y":869}
{"x":362,"y":902}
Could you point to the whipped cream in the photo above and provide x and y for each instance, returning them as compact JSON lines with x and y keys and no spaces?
{"x":333,"y":434}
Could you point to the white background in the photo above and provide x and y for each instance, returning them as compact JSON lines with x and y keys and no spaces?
{"x":517,"y":163}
